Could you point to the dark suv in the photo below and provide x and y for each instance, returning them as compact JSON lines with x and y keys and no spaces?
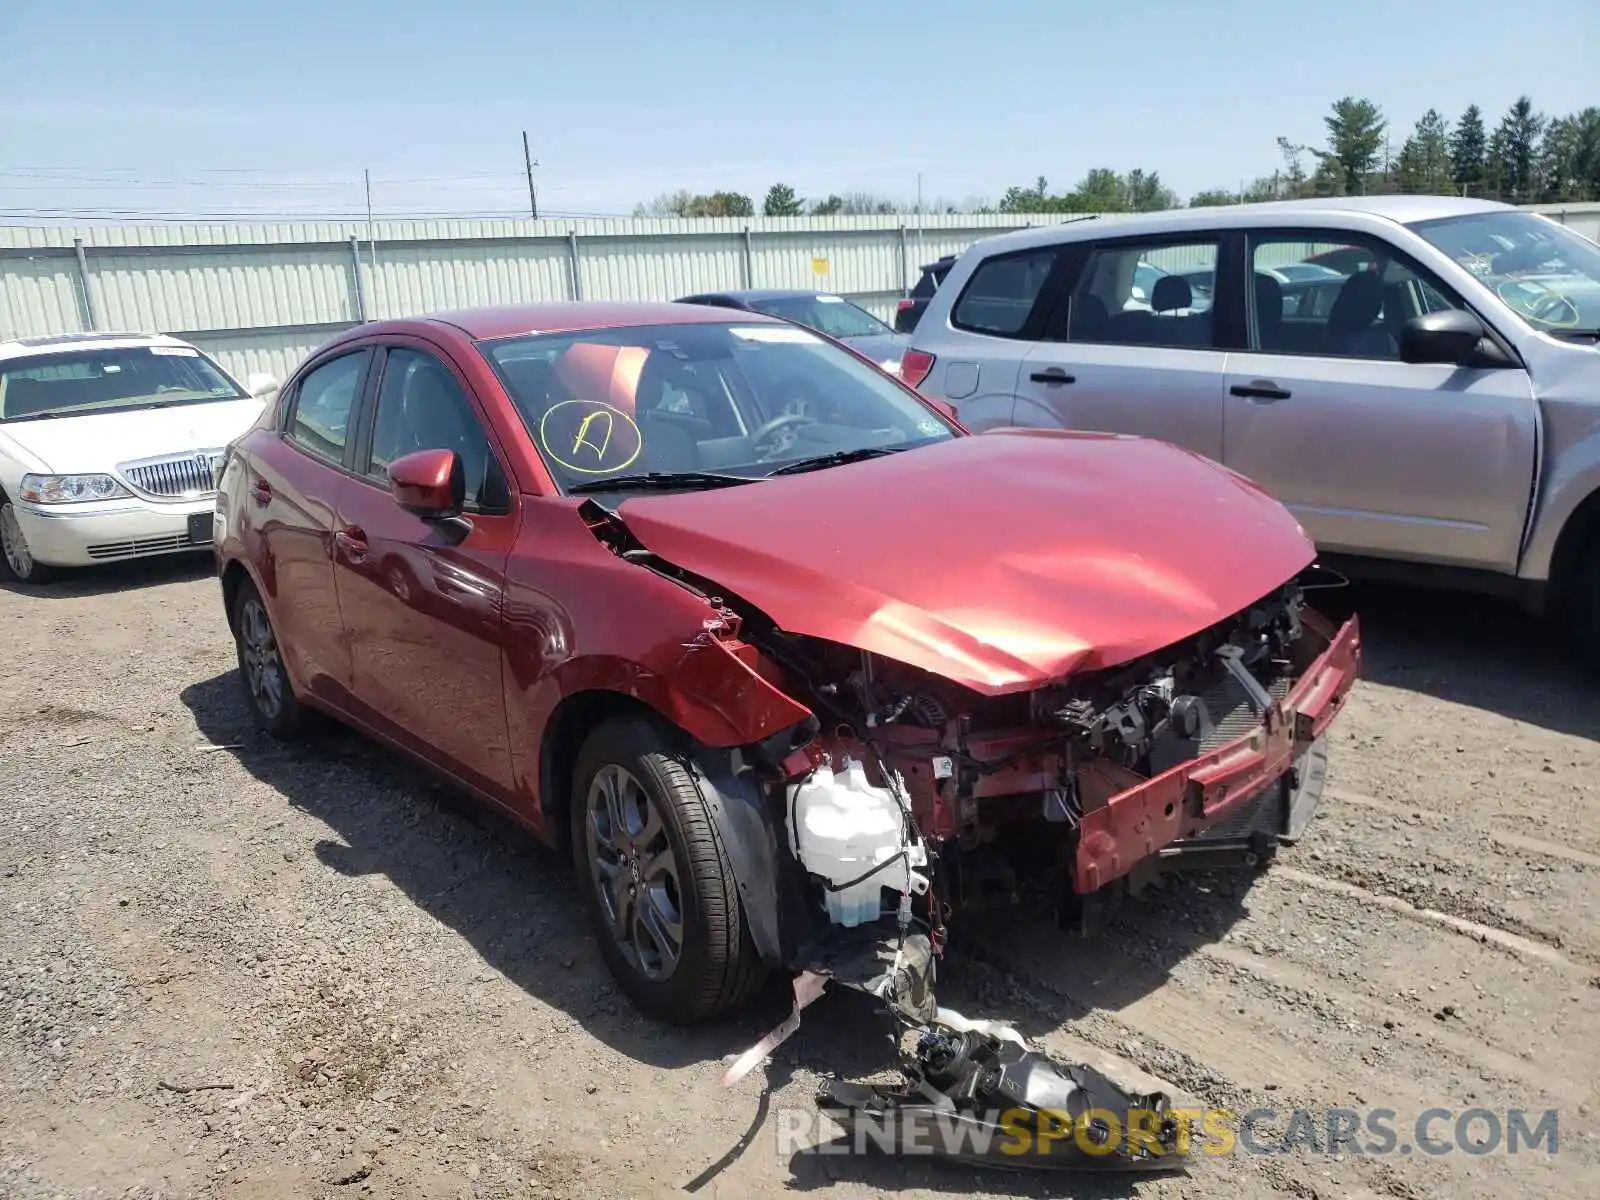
{"x":909,"y":310}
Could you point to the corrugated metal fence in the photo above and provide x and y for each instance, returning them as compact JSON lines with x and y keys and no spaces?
{"x":260,"y":297}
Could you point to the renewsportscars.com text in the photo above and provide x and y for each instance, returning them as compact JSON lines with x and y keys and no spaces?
{"x":1020,"y":1133}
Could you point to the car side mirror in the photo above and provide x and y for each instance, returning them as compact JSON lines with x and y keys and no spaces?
{"x":1451,"y":336}
{"x":429,"y":483}
{"x":262,"y":384}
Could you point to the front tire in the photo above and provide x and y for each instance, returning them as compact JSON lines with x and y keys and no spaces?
{"x":17,"y":564}
{"x":266,"y":682}
{"x":656,"y":881}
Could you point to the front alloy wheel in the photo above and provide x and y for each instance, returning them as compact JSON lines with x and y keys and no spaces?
{"x":19,"y":562}
{"x":634,"y":872}
{"x":656,"y":880}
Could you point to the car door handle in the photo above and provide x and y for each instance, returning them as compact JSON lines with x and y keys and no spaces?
{"x":352,"y":542}
{"x":1259,"y":389}
{"x":1054,"y":375}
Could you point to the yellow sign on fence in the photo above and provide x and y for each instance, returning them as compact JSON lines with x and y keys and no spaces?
{"x":819,"y":266}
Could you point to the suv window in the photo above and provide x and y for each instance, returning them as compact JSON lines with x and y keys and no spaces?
{"x":1335,"y":298}
{"x":1145,"y":294}
{"x":1000,"y":296}
{"x":422,"y":407}
{"x":320,"y":422}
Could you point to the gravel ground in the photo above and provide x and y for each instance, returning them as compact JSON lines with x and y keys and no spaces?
{"x":232,"y":968}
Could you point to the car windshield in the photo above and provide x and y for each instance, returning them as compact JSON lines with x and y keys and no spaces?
{"x":735,"y":401}
{"x":833,"y":315}
{"x":1545,"y":273}
{"x":73,"y":383}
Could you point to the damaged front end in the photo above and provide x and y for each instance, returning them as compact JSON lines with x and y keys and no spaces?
{"x":903,"y":798}
{"x":1207,"y":749}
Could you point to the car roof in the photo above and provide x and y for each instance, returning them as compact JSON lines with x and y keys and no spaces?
{"x":1404,"y":210}
{"x":571,"y":317}
{"x":65,"y":343}
{"x":770,"y":293}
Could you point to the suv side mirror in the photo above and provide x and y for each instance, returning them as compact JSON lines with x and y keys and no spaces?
{"x":429,"y":483}
{"x":1451,"y":336}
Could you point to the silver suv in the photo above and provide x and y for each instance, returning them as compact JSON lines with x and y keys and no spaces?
{"x":1417,"y":378}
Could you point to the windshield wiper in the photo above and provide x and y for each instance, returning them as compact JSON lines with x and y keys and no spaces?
{"x":836,"y":459}
{"x":1576,"y":335}
{"x":659,"y":481}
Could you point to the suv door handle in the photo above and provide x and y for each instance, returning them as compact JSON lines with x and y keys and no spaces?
{"x":1054,"y":375}
{"x":352,"y":540}
{"x":1259,"y":389}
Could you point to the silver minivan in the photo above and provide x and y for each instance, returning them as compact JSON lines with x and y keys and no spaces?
{"x":1416,"y":377}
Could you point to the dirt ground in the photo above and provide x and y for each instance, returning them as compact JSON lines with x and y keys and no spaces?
{"x":231,"y":968}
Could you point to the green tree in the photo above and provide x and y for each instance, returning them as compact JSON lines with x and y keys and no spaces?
{"x":1424,"y":165}
{"x":1586,"y":151}
{"x":1036,"y":199}
{"x":865,"y":204}
{"x":668,"y":204}
{"x":1516,"y":151}
{"x":1468,"y":148}
{"x":722,"y":204}
{"x":1568,"y":166}
{"x":1212,"y":198}
{"x":782,"y":202}
{"x":1145,"y":192}
{"x":1262,"y":189}
{"x":830,"y":207}
{"x":1100,"y":190}
{"x":1295,"y":183}
{"x":1355,"y":141}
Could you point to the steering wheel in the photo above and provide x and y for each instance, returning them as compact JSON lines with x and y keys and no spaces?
{"x":1554,"y":309}
{"x":1550,"y":307}
{"x":777,"y":424}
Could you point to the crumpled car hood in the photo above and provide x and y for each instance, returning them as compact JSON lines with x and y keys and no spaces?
{"x":1000,"y":561}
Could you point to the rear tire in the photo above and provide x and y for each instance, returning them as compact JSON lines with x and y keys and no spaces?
{"x":17,"y":564}
{"x":656,"y":881}
{"x":267,"y":689}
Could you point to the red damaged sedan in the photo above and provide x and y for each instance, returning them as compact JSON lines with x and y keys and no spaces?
{"x":797,"y":667}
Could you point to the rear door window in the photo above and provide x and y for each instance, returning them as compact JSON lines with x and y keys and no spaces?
{"x":1003,"y":292}
{"x":1146,"y":293}
{"x":324,"y":404}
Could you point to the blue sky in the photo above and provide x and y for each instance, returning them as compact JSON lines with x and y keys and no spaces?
{"x":186,"y":106}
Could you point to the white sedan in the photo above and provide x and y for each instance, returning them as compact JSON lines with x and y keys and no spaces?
{"x":108,"y":443}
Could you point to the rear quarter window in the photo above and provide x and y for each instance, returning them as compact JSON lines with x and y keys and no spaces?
{"x":1002,"y":292}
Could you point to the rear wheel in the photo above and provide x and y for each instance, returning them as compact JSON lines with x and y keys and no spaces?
{"x":17,"y":563}
{"x":656,"y":881}
{"x":266,"y":683}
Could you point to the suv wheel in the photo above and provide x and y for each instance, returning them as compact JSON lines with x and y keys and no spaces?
{"x":16,"y":560}
{"x":266,"y":682}
{"x":656,"y":882}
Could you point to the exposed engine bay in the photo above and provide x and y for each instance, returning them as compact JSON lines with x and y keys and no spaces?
{"x":1000,"y":793}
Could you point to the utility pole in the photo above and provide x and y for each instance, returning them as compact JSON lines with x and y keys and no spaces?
{"x":920,"y":249}
{"x":372,"y":241}
{"x":528,"y":165}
